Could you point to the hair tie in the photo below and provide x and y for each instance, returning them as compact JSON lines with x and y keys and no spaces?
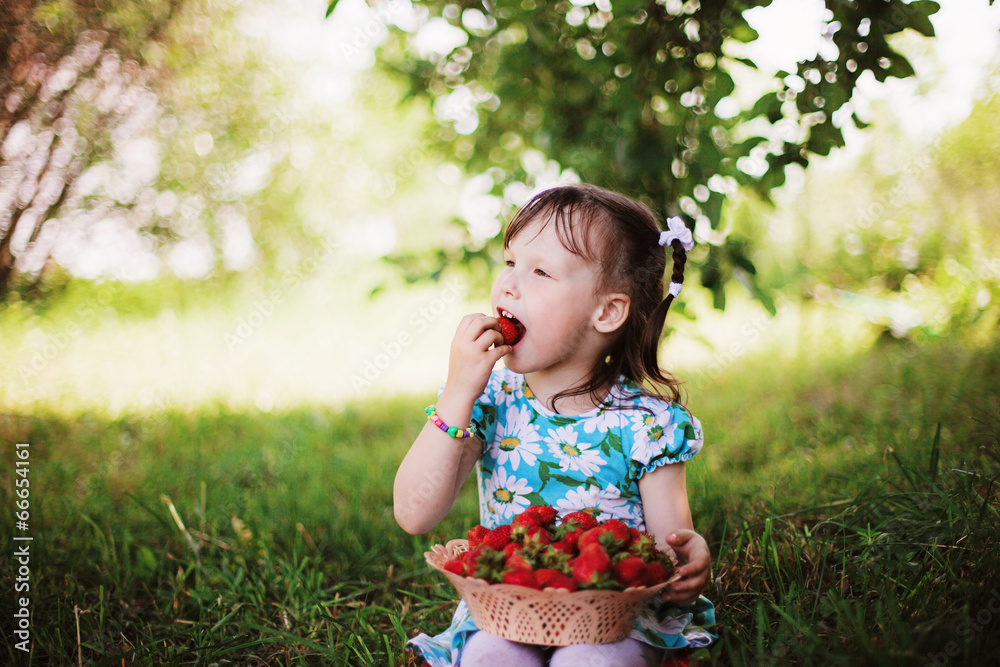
{"x":675,"y":289}
{"x":677,"y":231}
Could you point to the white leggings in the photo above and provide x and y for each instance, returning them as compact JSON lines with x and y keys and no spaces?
{"x":484,"y":649}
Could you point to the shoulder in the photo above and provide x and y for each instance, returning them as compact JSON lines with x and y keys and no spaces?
{"x":631,"y":396}
{"x":659,"y":428}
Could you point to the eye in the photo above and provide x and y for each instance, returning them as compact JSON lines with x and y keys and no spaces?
{"x":542,"y":273}
{"x":509,"y":262}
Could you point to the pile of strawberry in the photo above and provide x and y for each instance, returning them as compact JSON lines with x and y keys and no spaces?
{"x":577,"y":553}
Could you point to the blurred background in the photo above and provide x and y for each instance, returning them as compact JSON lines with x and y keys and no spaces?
{"x":236,"y":239}
{"x":236,"y":202}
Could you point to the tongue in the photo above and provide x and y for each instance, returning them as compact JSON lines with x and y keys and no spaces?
{"x":520,"y":331}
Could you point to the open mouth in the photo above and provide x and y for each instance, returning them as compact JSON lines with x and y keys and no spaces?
{"x":518,"y":327}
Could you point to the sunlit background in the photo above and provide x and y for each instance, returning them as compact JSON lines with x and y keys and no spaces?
{"x":232,"y":238}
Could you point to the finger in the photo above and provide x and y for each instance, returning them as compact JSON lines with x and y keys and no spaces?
{"x":484,"y":324}
{"x":490,"y":338}
{"x":679,"y":538}
{"x":496,"y":353}
{"x":467,"y":321}
{"x":687,"y":586}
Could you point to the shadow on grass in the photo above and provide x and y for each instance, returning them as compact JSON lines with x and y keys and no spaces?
{"x":858,"y":531}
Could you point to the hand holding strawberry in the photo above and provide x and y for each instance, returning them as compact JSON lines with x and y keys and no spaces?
{"x":476,"y":347}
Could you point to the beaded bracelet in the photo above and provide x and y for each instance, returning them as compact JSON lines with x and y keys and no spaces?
{"x":452,"y":431}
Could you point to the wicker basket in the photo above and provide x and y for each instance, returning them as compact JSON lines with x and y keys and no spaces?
{"x":549,"y":617}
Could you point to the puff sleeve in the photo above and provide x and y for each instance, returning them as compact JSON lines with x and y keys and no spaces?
{"x":670,"y":434}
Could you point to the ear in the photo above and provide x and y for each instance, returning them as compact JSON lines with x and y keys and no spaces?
{"x":611,"y":313}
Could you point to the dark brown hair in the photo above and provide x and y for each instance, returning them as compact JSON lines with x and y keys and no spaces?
{"x":621,"y":237}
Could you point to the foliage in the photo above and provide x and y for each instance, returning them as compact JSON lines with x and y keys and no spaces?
{"x":225,"y":144}
{"x":641,"y":96}
{"x":858,"y":531}
{"x":906,"y":232}
{"x":70,"y":79}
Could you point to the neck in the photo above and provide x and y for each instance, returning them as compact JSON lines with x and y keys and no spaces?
{"x":546,"y":384}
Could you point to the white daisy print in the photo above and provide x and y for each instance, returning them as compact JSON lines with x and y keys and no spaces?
{"x":602,"y":504}
{"x":516,"y":439}
{"x":642,"y":419}
{"x":650,"y":442}
{"x":507,"y":392}
{"x":507,"y":495}
{"x":604,"y":419}
{"x":572,"y":455}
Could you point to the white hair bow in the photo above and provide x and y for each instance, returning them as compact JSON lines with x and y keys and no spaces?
{"x":677,"y":230}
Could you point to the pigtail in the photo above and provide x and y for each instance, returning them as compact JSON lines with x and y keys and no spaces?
{"x":680,"y":240}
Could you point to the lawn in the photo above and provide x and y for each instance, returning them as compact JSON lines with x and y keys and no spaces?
{"x":852,"y":504}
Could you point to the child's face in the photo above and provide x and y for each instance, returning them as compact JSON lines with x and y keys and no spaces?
{"x":553,"y":294}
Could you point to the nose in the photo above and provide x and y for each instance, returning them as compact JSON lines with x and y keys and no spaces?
{"x":506,"y":283}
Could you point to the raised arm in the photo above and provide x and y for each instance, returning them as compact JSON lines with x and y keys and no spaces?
{"x":434,"y":469}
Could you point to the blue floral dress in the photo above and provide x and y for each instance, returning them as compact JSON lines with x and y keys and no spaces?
{"x":590,"y":462}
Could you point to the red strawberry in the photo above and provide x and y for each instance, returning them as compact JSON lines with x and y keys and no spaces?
{"x":644,"y":547}
{"x":455,"y":566}
{"x":612,"y":534}
{"x":516,"y":561}
{"x":631,"y":571}
{"x":585,"y":520}
{"x":522,"y":522}
{"x":475,"y":535}
{"x":547,"y":513}
{"x":537,"y":535}
{"x":564,"y":547}
{"x":657,"y":573}
{"x":471,"y":559}
{"x":543,"y":574}
{"x":513,"y":547}
{"x":589,"y":537}
{"x":634,"y":533}
{"x":498,"y":538}
{"x":622,"y":533}
{"x":488,"y":565}
{"x":521,"y":578}
{"x":590,"y":565}
{"x":555,"y":560}
{"x":508,"y":330}
{"x":561,"y":580}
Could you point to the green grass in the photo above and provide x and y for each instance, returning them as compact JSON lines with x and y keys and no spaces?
{"x":847,"y":527}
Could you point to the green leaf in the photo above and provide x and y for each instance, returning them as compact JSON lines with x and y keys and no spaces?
{"x":823,"y":137}
{"x":765,"y":300}
{"x":742,"y":32}
{"x":920,"y":11}
{"x":738,"y":258}
{"x":713,"y":209}
{"x":535,"y":498}
{"x":768,"y":105}
{"x":900,"y":67}
{"x":559,"y":420}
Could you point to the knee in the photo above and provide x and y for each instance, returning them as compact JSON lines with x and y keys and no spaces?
{"x":626,"y":653}
{"x":482,"y":648}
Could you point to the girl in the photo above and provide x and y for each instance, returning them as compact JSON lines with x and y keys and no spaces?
{"x":581,"y":418}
